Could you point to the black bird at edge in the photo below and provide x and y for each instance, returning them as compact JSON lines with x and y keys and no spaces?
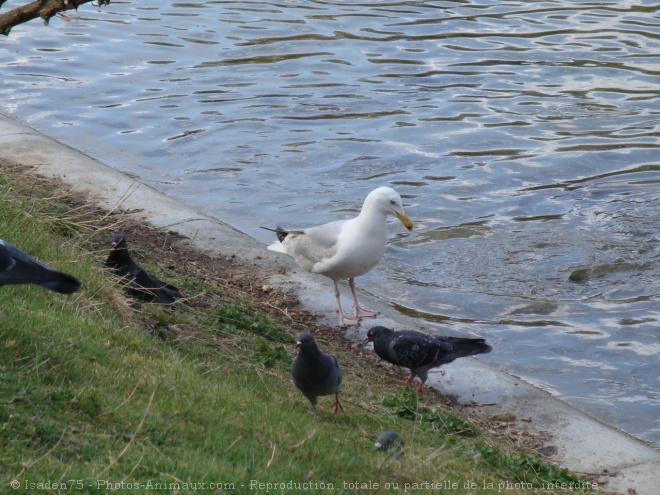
{"x":139,"y":283}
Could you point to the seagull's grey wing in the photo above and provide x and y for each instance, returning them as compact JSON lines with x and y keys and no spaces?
{"x":315,"y":246}
{"x":415,"y":349}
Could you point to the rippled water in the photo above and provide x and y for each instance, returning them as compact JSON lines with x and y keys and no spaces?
{"x":523,"y":136}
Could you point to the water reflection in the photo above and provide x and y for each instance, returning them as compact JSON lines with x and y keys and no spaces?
{"x":523,"y":138}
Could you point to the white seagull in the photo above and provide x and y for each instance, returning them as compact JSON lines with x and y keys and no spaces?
{"x":345,"y":249}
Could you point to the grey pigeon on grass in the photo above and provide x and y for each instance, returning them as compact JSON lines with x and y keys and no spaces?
{"x":389,"y":440}
{"x":316,"y":373}
{"x":17,"y":267}
{"x":139,"y":283}
{"x":421,"y":352}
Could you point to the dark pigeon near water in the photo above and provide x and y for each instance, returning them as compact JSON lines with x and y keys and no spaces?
{"x":316,"y":373}
{"x":139,"y":283}
{"x":17,"y":267}
{"x":421,"y":352}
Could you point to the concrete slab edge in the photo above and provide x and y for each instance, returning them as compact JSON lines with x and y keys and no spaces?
{"x":576,"y":440}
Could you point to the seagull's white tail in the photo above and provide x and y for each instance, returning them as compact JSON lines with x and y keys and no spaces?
{"x":277,"y":247}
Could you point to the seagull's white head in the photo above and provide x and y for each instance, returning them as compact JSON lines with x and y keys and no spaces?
{"x":388,"y":201}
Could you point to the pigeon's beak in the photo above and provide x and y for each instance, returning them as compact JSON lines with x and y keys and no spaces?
{"x":366,"y":341}
{"x":405,"y":220}
{"x":298,"y":344}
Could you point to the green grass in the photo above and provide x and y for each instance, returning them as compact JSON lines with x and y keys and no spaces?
{"x":89,"y":395}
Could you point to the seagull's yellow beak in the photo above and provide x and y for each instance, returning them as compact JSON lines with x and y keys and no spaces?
{"x":405,"y":220}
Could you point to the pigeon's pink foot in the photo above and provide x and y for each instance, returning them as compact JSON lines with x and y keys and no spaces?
{"x":364,"y":313}
{"x":419,"y":387}
{"x":337,"y":405}
{"x":348,"y":322}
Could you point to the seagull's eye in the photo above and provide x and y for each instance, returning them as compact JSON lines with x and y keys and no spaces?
{"x":392,"y":202}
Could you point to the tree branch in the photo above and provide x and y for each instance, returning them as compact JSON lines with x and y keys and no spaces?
{"x":39,"y":8}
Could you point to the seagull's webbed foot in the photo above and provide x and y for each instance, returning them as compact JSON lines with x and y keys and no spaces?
{"x":343,"y":321}
{"x":348,"y":322}
{"x":358,"y":312}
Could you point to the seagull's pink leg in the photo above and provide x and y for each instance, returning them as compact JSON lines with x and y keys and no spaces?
{"x":358,"y":312}
{"x":343,"y":321}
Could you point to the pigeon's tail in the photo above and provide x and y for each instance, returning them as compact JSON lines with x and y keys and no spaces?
{"x":59,"y":282}
{"x":468,"y":347}
{"x":167,"y":294}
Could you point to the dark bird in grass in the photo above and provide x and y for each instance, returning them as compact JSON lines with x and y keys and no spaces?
{"x":17,"y":267}
{"x":138,"y":282}
{"x":421,"y":352}
{"x":390,"y":441}
{"x":316,"y":373}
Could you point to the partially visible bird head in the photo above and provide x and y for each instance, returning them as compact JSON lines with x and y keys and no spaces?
{"x":119,"y":242}
{"x":306,"y":341}
{"x":389,"y":201}
{"x":389,"y":440}
{"x":375,"y":332}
